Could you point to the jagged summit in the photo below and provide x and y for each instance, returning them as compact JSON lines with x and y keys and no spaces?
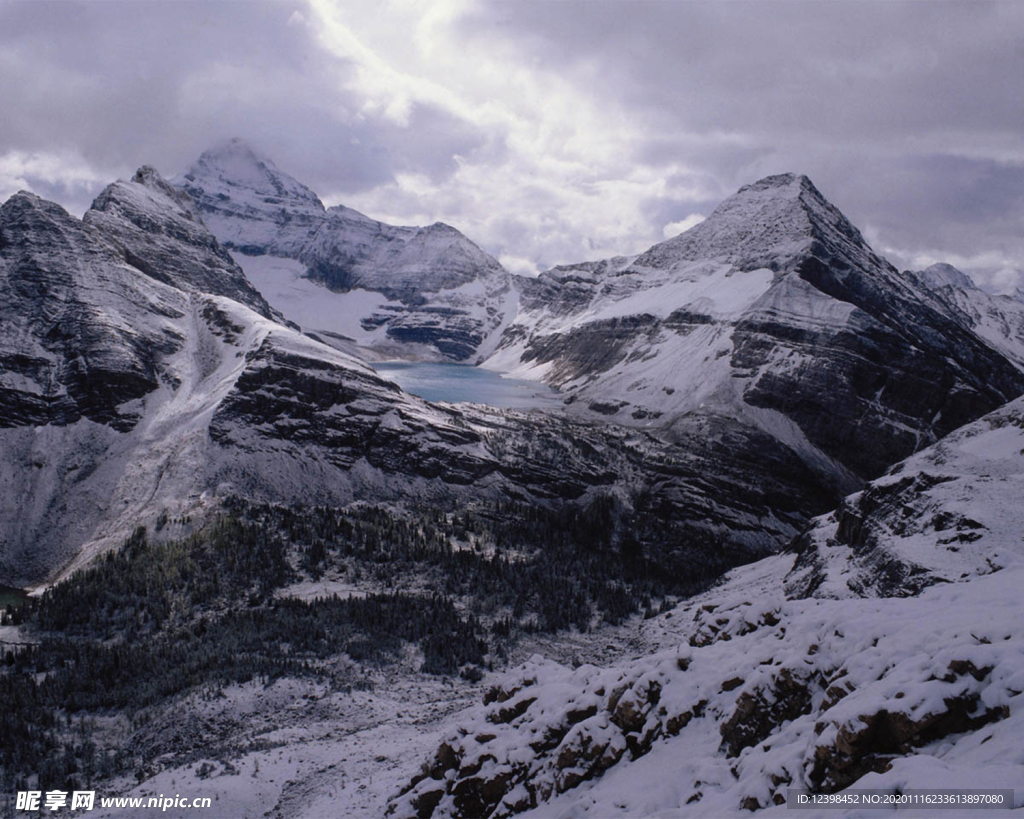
{"x":248,"y":202}
{"x":238,"y":163}
{"x":151,"y":222}
{"x":149,"y":177}
{"x":769,"y":223}
{"x":998,"y":320}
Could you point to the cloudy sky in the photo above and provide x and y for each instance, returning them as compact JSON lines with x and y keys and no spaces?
{"x":548,"y":131}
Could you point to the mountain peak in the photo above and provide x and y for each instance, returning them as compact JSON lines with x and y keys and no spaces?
{"x":942,"y":274}
{"x":782,"y":192}
{"x":766,"y":224}
{"x":236,"y":170}
{"x":237,"y":150}
{"x":239,"y":191}
{"x":781,"y":181}
{"x":150,"y":178}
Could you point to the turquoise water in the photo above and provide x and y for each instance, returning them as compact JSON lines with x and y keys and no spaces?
{"x":459,"y":382}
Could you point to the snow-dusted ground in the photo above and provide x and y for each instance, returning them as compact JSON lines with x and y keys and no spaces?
{"x":303,"y":749}
{"x":855,"y":658}
{"x":324,"y":587}
{"x":889,"y":647}
{"x":794,"y":672}
{"x":299,"y":749}
{"x":283,"y":283}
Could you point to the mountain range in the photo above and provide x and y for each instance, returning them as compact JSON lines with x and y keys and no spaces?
{"x":769,"y":440}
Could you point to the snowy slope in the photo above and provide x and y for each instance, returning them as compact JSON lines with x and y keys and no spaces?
{"x":404,"y":291}
{"x":774,"y":312}
{"x":115,"y":354}
{"x":886,"y":652}
{"x":948,"y":514}
{"x":133,"y":390}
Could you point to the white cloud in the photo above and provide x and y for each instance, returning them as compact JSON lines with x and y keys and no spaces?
{"x":565,"y":174}
{"x":519,"y":266}
{"x":683,"y":225}
{"x":21,"y":170}
{"x":1005,"y":280}
{"x":993,"y":270}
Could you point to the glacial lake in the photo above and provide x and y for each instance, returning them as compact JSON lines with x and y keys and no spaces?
{"x":461,"y":383}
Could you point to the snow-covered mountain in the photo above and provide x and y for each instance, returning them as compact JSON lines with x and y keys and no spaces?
{"x":405,"y":291}
{"x":732,"y":380}
{"x":884,"y":650}
{"x":997,"y":320}
{"x":140,"y":370}
{"x":773,"y":312}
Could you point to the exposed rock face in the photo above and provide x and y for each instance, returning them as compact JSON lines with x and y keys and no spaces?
{"x":776,"y":313}
{"x":80,"y":337}
{"x":441,"y":296}
{"x":151,"y":222}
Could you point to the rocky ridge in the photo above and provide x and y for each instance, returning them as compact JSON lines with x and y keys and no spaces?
{"x":997,"y":320}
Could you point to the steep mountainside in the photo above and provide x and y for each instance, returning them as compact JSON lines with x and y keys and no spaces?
{"x":116,"y":352}
{"x":425,"y":291}
{"x":884,"y":651}
{"x":143,"y":380}
{"x":773,"y":312}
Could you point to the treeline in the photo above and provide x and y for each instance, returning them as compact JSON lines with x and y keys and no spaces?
{"x":525,"y":567}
